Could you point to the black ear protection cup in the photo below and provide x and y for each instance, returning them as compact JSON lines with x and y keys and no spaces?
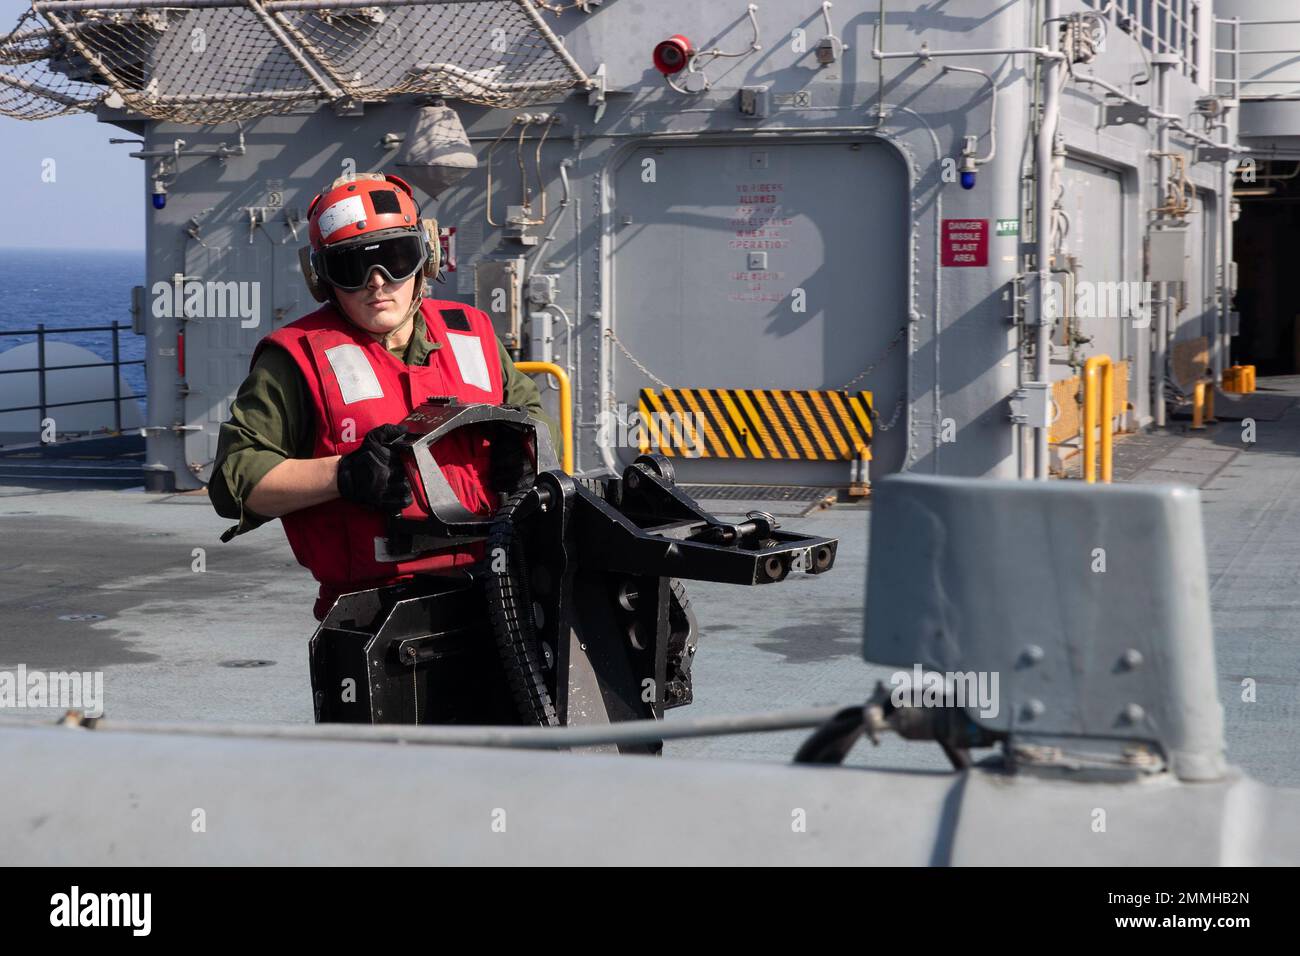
{"x":433,"y":262}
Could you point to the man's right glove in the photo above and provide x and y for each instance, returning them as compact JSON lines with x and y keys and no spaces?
{"x":373,"y":474}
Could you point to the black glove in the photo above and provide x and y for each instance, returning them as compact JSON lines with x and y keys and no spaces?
{"x":373,"y":474}
{"x":511,"y":468}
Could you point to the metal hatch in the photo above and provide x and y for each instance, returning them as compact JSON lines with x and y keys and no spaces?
{"x":716,"y":248}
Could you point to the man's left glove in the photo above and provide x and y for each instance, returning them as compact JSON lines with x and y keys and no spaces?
{"x":373,"y":474}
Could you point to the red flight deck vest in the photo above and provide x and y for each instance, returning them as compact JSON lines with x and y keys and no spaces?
{"x":355,"y":385}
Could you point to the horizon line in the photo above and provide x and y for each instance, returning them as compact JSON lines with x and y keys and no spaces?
{"x":4,"y":248}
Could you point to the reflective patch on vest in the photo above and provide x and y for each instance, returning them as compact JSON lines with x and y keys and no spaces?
{"x":343,"y":213}
{"x":357,"y":380}
{"x":469,"y":356}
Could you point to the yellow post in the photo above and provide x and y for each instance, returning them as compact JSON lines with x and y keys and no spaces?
{"x":566,"y":406}
{"x":1090,"y":423}
{"x":1198,"y":404}
{"x":1239,"y":379}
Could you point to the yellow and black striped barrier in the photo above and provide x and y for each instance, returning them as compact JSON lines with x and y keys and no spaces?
{"x":782,"y":424}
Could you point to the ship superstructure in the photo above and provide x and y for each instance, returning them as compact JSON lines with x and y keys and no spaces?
{"x":772,"y":240}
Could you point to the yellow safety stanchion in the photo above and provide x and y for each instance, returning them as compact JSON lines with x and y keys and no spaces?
{"x":566,"y":406}
{"x":1203,"y":404}
{"x":1090,"y":423}
{"x":1239,"y":379}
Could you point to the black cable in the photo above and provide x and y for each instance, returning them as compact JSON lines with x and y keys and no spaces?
{"x":831,"y":742}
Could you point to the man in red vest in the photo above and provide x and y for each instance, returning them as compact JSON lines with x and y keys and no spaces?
{"x":308,"y":440}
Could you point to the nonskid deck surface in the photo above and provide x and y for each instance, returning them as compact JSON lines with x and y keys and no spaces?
{"x":229,"y":643}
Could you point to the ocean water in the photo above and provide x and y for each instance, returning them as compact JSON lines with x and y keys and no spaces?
{"x":66,"y":288}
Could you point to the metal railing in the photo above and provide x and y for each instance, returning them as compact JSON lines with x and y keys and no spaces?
{"x":1235,"y":53}
{"x":1162,"y":26}
{"x":42,"y":405}
{"x":566,"y":406}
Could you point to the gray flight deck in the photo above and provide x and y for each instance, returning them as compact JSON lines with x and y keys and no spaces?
{"x":229,"y":643}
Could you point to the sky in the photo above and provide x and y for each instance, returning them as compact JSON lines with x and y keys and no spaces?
{"x":97,"y":199}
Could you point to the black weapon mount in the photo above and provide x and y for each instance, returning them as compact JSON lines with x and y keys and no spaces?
{"x":575,"y":613}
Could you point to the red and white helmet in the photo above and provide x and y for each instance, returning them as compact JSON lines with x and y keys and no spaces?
{"x":362,"y":223}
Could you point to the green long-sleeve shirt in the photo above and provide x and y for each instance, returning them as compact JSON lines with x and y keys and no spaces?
{"x":271,"y":419}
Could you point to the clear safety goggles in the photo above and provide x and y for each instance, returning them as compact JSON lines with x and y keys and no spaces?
{"x":349,"y":267}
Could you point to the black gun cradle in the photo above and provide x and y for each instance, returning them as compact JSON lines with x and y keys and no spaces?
{"x":573,"y":615}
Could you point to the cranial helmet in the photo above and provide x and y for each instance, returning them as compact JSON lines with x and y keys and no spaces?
{"x":364,"y":222}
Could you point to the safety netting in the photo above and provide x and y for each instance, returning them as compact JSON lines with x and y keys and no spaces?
{"x":215,"y":61}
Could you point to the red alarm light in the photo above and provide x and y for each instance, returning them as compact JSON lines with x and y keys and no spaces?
{"x":672,"y":55}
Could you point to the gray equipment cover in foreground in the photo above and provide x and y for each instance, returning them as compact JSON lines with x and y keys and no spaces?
{"x":1089,"y":602}
{"x":338,"y":803}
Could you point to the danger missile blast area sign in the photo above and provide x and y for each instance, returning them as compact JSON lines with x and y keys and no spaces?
{"x":965,"y":242}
